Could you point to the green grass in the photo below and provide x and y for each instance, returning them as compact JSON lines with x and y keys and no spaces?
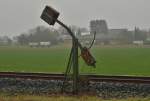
{"x":110,"y":61}
{"x":33,"y":59}
{"x":123,"y":61}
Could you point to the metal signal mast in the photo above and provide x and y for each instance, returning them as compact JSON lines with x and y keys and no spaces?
{"x":50,"y":16}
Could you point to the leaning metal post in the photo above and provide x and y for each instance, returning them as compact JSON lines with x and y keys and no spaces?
{"x":75,"y":44}
{"x":50,"y":16}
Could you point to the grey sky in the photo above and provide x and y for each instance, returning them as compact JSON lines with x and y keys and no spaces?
{"x":17,"y":16}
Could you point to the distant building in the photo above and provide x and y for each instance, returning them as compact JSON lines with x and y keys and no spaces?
{"x":33,"y":44}
{"x":5,"y":41}
{"x":115,"y":36}
{"x":66,"y":38}
{"x":98,"y":26}
{"x":140,"y":35}
{"x":39,"y":44}
{"x":120,"y":36}
{"x":117,"y":33}
{"x":138,"y":42}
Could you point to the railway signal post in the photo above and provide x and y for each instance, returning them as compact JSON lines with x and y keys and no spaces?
{"x":50,"y":16}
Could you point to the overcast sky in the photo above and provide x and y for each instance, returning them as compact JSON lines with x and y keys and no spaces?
{"x":17,"y":16}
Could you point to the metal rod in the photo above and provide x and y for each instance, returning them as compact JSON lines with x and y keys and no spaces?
{"x":67,"y":28}
{"x":75,"y":67}
{"x":68,"y":69}
{"x":70,"y":32}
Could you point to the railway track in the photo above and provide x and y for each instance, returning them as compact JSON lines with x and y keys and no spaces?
{"x":86,"y":77}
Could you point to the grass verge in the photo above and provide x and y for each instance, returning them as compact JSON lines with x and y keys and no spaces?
{"x":62,"y":98}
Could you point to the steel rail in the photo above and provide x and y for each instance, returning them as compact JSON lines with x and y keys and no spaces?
{"x":86,"y":77}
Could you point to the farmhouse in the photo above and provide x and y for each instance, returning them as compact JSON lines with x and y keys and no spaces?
{"x":40,"y":44}
{"x":138,"y":42}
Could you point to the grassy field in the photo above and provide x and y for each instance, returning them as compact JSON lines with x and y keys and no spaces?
{"x":63,"y":98}
{"x":110,"y":60}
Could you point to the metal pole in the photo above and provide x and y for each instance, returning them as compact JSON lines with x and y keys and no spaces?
{"x":70,"y":32}
{"x":75,"y":67}
{"x":76,"y":44}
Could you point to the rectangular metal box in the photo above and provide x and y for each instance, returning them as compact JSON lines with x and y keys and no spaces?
{"x":49,"y":15}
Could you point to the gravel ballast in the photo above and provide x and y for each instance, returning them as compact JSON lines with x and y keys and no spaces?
{"x":45,"y":87}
